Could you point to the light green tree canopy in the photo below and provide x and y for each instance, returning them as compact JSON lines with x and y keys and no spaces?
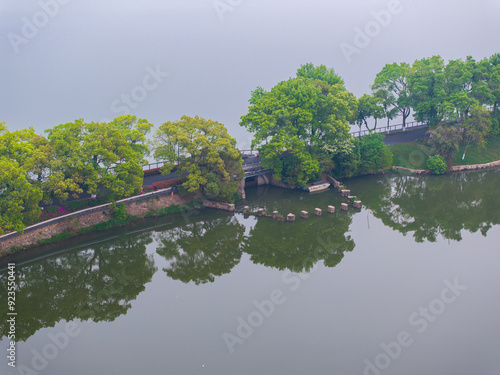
{"x":426,"y":83}
{"x":101,"y":157}
{"x":391,"y":85}
{"x":369,"y":106}
{"x":18,"y":198}
{"x":207,"y":157}
{"x":298,"y":117}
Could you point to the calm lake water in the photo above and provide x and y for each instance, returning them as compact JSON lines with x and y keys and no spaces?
{"x":407,"y":285}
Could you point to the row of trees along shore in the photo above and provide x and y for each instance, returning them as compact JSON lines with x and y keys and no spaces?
{"x":301,"y":128}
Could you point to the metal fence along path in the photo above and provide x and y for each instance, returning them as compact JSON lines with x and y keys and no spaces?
{"x":390,"y":129}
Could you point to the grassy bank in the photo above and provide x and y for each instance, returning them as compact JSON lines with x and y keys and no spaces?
{"x":411,"y":155}
{"x":414,"y":155}
{"x":479,"y":155}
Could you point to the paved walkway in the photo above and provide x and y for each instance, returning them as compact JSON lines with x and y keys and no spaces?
{"x":410,"y":136}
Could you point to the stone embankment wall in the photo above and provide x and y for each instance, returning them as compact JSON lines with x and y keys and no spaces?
{"x":456,"y":168}
{"x":414,"y":171}
{"x":218,"y":205}
{"x":460,"y":168}
{"x":72,"y":224}
{"x":280,"y":184}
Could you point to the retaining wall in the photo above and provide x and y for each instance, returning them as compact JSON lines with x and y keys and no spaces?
{"x":459,"y":168}
{"x":218,"y":205}
{"x":138,"y":206}
{"x":456,"y":168}
{"x":414,"y":171}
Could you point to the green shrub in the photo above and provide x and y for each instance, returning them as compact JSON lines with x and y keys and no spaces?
{"x":118,"y":211}
{"x":172,"y":209}
{"x":375,"y":156}
{"x":108,"y":224}
{"x":56,"y":238}
{"x":437,"y":165}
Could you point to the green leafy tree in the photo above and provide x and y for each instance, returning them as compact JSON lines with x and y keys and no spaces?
{"x":47,"y":172}
{"x":391,"y":85}
{"x":387,"y":102}
{"x":320,"y":73}
{"x":115,"y":153}
{"x":460,"y":79}
{"x":289,"y":158}
{"x":209,"y":162}
{"x":347,"y":160}
{"x":493,"y":80}
{"x":101,"y":157}
{"x":299,"y":116}
{"x":476,"y":128}
{"x":344,"y":156}
{"x":426,"y":85}
{"x":445,"y":141}
{"x":375,"y":156}
{"x":19,"y":199}
{"x":17,"y":145}
{"x":369,"y":106}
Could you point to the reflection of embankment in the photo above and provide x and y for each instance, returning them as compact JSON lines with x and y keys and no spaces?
{"x":96,"y":283}
{"x":436,"y":205}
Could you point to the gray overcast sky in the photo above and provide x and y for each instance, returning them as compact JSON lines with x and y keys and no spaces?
{"x":76,"y":58}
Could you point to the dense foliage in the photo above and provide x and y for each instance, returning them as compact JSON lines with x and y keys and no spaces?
{"x":436,"y":164}
{"x":105,"y":159}
{"x":208,"y":160}
{"x":459,"y":100}
{"x":294,"y":121}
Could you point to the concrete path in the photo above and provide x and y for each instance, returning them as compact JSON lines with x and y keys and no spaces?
{"x":149,"y":180}
{"x":410,"y":136}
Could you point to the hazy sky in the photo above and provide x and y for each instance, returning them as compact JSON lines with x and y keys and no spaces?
{"x":160,"y":59}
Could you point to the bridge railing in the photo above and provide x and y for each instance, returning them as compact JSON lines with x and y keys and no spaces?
{"x":149,"y":166}
{"x":389,"y":129}
{"x":249,"y":153}
{"x":251,"y":167}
